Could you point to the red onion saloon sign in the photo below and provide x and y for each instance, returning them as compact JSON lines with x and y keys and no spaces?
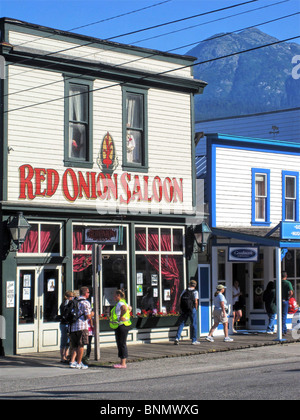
{"x":75,"y":185}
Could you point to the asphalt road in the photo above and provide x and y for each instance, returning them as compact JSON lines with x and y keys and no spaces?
{"x":264,"y":373}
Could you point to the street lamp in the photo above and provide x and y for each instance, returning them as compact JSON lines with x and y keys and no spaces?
{"x":18,"y":227}
{"x":202,"y":233}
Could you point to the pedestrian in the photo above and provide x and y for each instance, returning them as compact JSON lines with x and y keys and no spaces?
{"x":269,"y":297}
{"x":65,"y":329}
{"x":189,"y":300}
{"x":79,"y":329}
{"x":120,"y":322}
{"x":220,"y":315}
{"x":287,"y":293}
{"x":237,"y":305}
{"x":86,"y":358}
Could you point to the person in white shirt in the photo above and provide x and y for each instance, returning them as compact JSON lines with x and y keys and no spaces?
{"x":220,"y":314}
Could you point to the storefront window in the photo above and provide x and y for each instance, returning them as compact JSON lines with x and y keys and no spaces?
{"x":221,"y":266}
{"x":43,"y":239}
{"x":159,"y":268}
{"x":258,"y":267}
{"x":114,"y":272}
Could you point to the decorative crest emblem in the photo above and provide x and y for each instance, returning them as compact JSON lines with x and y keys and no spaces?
{"x":107,"y":159}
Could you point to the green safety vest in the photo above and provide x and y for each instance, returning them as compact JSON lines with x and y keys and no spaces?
{"x":113,"y":319}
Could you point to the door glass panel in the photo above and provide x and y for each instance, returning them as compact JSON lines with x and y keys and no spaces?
{"x":50,"y":294}
{"x":26,"y":303}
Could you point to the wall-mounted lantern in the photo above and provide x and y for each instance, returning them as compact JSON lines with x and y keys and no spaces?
{"x":202,"y":234}
{"x":18,"y":227}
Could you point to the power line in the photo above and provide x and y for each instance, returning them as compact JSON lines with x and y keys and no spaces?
{"x":154,"y":54}
{"x":211,"y":21}
{"x":180,"y":20}
{"x":160,"y":73}
{"x":89,"y":43}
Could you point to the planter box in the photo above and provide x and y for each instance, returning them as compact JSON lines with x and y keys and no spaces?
{"x":157,"y":321}
{"x":104,"y":324}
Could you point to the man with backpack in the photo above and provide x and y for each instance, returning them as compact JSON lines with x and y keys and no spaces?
{"x":80,"y":329}
{"x":188,"y":306}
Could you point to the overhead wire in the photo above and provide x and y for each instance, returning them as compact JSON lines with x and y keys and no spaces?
{"x":173,"y":49}
{"x":144,"y":29}
{"x":89,"y":43}
{"x":160,"y":73}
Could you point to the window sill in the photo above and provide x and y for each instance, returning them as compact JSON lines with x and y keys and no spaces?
{"x":260,"y":223}
{"x":78,"y":164}
{"x":134,"y":168}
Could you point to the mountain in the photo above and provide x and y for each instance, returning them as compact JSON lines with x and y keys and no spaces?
{"x":252,"y":82}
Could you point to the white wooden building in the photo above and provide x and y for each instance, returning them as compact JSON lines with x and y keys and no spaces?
{"x":252,"y":191}
{"x":93,"y":133}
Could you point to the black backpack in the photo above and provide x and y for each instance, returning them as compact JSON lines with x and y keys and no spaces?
{"x":187,"y":301}
{"x":71,"y":312}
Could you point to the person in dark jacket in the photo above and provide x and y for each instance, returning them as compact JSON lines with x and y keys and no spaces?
{"x":269,"y":297}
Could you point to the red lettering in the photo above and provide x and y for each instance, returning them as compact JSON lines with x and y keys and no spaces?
{"x":125,"y":177}
{"x":112,"y":186}
{"x":39,"y":178}
{"x":83,"y":184}
{"x":52,"y":182}
{"x":157,"y":194}
{"x":137,"y":189}
{"x":178,"y":190}
{"x":93,"y":185}
{"x":66,"y":190}
{"x":102,"y":195}
{"x":168,"y":190}
{"x":26,"y":175}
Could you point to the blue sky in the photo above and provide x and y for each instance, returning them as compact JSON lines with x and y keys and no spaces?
{"x":69,"y":14}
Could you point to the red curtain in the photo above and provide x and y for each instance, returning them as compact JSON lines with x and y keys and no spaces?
{"x":169,"y":266}
{"x":31,"y":242}
{"x":80,"y":261}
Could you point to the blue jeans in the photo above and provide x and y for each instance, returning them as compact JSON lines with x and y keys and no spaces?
{"x":272,"y":318}
{"x":182,"y":319}
{"x":285,"y":308}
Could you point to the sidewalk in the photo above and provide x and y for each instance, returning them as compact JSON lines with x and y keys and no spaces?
{"x":139,"y":352}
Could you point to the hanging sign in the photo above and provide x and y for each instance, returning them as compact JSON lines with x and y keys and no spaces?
{"x":290,"y":230}
{"x":243,"y":254}
{"x":101,"y":235}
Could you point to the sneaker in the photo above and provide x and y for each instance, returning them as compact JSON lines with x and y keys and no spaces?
{"x":81,"y":366}
{"x":228,"y":339}
{"x":270,"y":332}
{"x":176,"y":342}
{"x":208,"y":338}
{"x":73,"y":365}
{"x":196,"y":342}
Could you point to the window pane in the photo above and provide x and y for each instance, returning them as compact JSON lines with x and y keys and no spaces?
{"x":31,"y":242}
{"x":114,"y":276}
{"x":258,"y":289}
{"x":134,"y":146}
{"x":77,"y":238}
{"x":50,"y":295}
{"x":26,"y":303}
{"x":260,"y":185}
{"x":147,"y":267}
{"x":177,"y":240}
{"x":140,"y":238}
{"x":260,"y":210}
{"x":152,"y":239}
{"x":290,"y":190}
{"x":78,"y":108}
{"x":172,"y":282}
{"x":290,"y":209}
{"x":134,"y":110}
{"x":165,"y":239}
{"x":77,"y":140}
{"x":50,"y":239}
{"x":289,"y":261}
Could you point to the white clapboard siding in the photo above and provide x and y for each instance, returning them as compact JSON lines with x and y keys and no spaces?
{"x":36,"y":135}
{"x":234,"y":183}
{"x":109,"y":55}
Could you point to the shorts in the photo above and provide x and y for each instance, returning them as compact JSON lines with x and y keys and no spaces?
{"x":218,"y":316}
{"x":79,"y":338}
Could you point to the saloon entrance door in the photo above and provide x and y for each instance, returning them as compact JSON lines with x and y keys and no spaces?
{"x":39,"y":297}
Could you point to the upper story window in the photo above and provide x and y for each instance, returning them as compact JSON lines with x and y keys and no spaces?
{"x":260,"y":196}
{"x":290,"y":196}
{"x":135,"y":141}
{"x":78,"y":123}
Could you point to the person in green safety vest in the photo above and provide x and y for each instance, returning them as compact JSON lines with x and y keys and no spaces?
{"x":120,"y":321}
